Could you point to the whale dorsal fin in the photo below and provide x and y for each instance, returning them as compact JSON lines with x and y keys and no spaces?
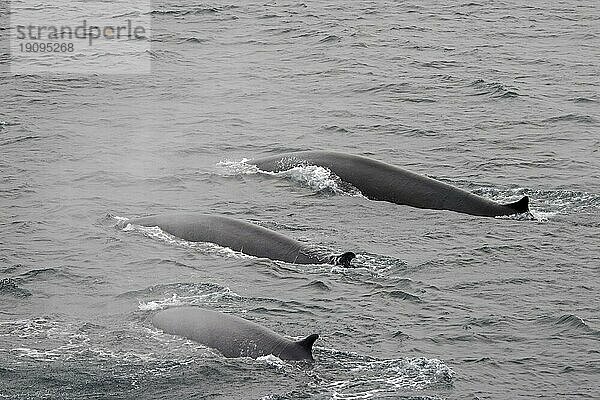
{"x":307,"y":343}
{"x":520,"y":206}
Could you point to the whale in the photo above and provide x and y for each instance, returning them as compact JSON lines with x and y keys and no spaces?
{"x":377,"y":180}
{"x":232,"y":336}
{"x":241,"y":236}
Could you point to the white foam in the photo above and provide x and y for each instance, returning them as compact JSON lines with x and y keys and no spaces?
{"x":377,"y":376}
{"x":318,"y":179}
{"x":272,"y":360}
{"x":176,"y":300}
{"x":205,"y":247}
{"x":160,"y":304}
{"x":40,"y":355}
{"x":66,"y":342}
{"x":29,"y":328}
{"x":120,"y":219}
{"x":542,"y":216}
{"x":241,"y":167}
{"x":127,"y":227}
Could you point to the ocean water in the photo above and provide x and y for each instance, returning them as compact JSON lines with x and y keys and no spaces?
{"x":498,"y":98}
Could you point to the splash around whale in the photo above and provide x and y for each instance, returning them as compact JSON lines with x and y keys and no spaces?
{"x":377,"y":180}
{"x":241,"y":236}
{"x":232,"y":336}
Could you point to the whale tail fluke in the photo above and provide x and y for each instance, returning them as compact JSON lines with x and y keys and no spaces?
{"x":307,"y":343}
{"x":520,"y":206}
{"x":344,"y":259}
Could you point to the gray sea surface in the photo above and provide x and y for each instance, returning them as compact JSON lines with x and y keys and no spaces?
{"x":501,"y":98}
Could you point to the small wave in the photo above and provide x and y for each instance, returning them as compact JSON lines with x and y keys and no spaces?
{"x":279,"y":30}
{"x":570,"y":322}
{"x":330,"y":39}
{"x":18,"y":140}
{"x":45,"y":274}
{"x":335,"y":129}
{"x":583,"y":100}
{"x":192,"y":40}
{"x":418,"y":100}
{"x":493,"y":89}
{"x":392,"y":88}
{"x":126,"y":14}
{"x":412,"y":28}
{"x":395,"y":129}
{"x":319,"y":285}
{"x":399,"y":294}
{"x":493,"y":282}
{"x":9,"y":286}
{"x":186,"y":11}
{"x":161,"y":54}
{"x":400,"y":335}
{"x":439,"y":64}
{"x":586,"y":119}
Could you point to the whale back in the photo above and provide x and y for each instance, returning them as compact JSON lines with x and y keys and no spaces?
{"x":232,"y":336}
{"x":380,"y":181}
{"x":238,"y":235}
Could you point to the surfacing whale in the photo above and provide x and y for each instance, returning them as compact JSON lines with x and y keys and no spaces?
{"x":241,"y":236}
{"x":232,"y":336}
{"x":380,"y":181}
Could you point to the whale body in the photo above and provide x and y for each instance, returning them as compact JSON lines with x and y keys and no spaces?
{"x":241,"y":236}
{"x":377,"y":180}
{"x":232,"y":336}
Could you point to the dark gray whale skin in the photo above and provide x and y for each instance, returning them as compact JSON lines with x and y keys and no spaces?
{"x":232,"y":336}
{"x":241,"y":236}
{"x":380,"y":181}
